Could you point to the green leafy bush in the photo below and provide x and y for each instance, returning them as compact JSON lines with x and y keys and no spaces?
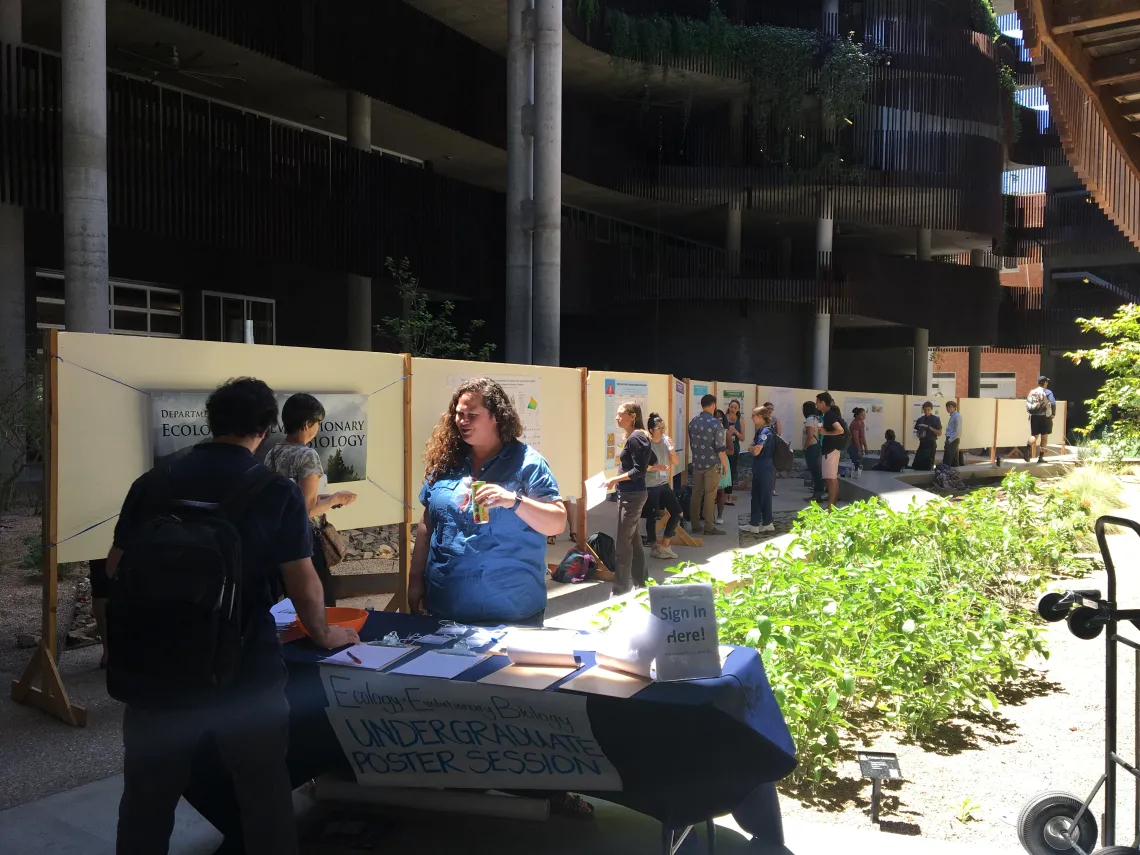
{"x":873,"y":617}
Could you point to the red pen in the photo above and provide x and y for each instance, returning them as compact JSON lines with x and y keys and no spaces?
{"x":353,"y":658}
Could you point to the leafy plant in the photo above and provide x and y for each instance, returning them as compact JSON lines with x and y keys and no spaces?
{"x":983,"y":19}
{"x":879,"y":618}
{"x":967,"y":810}
{"x":422,"y":332}
{"x":21,"y":425}
{"x":1116,"y":407}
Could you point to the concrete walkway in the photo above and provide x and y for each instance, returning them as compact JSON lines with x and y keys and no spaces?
{"x":82,"y":822}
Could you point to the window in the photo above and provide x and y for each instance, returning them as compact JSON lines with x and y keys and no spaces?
{"x":224,"y":318}
{"x":943,"y":384}
{"x":999,"y":384}
{"x":136,"y":308}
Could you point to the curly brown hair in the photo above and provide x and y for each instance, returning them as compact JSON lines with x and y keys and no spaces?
{"x":446,"y":449}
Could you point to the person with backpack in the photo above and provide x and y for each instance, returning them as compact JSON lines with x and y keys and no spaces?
{"x":1042,"y":407}
{"x":198,"y":547}
{"x":763,"y":473}
{"x":835,"y":439}
{"x":892,"y":456}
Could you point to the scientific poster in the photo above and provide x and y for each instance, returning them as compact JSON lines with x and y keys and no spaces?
{"x":727,"y":395}
{"x":696,"y":392}
{"x":525,"y":394}
{"x":916,"y":414}
{"x":679,"y":429}
{"x":618,"y":392}
{"x":874,"y":407}
{"x":789,"y":411}
{"x":179,"y":422}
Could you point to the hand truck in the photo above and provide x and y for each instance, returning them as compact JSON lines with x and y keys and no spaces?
{"x":1055,"y":821}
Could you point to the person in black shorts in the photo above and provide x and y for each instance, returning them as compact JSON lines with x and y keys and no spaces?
{"x":1042,"y":406}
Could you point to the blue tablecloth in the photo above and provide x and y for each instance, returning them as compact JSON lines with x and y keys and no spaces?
{"x":686,"y":751}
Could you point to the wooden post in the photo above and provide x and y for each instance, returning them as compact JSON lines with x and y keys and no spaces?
{"x":993,"y":445}
{"x":400,"y":601}
{"x":685,"y":428}
{"x":51,"y":695}
{"x":580,"y":510}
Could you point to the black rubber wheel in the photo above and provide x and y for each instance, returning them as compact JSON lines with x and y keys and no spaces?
{"x":1046,"y":607}
{"x":1080,"y":623}
{"x":1046,"y":821}
{"x":1116,"y":850}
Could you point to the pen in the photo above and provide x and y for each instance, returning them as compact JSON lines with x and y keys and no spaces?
{"x":353,"y":658}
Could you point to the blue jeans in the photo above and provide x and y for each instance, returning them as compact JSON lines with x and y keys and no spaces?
{"x":813,"y":456}
{"x":763,"y":478}
{"x":855,"y":455}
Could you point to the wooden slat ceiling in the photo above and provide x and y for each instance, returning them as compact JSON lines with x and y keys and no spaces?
{"x":1087,"y":54}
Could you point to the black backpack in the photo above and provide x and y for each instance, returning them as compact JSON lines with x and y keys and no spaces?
{"x":605,"y":548}
{"x":783,"y":458}
{"x":174,"y":616}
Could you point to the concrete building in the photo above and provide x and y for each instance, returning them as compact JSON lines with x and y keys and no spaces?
{"x":595,"y":196}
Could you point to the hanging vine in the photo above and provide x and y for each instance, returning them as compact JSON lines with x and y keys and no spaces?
{"x":982,"y":18}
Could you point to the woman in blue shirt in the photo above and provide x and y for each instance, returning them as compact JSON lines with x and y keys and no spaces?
{"x":763,"y":473}
{"x":493,"y":572}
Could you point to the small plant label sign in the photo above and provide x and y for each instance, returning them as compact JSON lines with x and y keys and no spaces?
{"x":687,"y":648}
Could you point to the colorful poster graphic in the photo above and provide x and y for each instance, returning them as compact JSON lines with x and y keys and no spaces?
{"x":875,"y":426}
{"x":618,"y":392}
{"x":526,"y":396}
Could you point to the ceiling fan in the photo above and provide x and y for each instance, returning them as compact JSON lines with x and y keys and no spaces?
{"x":164,"y":58}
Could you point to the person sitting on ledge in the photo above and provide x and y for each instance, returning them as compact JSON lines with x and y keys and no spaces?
{"x":892,"y":456}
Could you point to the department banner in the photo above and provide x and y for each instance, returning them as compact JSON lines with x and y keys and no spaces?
{"x":179,"y":422}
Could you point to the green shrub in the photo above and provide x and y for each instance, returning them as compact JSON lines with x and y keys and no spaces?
{"x":873,"y":617}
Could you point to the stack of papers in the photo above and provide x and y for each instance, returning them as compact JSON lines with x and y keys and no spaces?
{"x":367,"y":656}
{"x":433,"y":663}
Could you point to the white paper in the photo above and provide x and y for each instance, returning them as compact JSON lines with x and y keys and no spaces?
{"x":284,"y":613}
{"x":399,"y":731}
{"x":371,"y":658}
{"x":788,"y":410}
{"x":687,"y":632}
{"x":679,"y":428}
{"x":525,"y":393}
{"x":434,"y":639}
{"x":616,"y":393}
{"x":874,"y":426}
{"x":595,"y":490}
{"x":541,"y":648}
{"x":433,"y":663}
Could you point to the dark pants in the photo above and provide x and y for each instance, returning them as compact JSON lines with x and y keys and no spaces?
{"x":702,"y":509}
{"x":950,"y":454}
{"x":630,"y":568}
{"x":252,"y":737}
{"x":763,"y":477}
{"x":733,"y":468}
{"x":661,"y":496}
{"x":856,"y":456}
{"x":323,"y":571}
{"x":924,"y":457}
{"x":813,"y":456}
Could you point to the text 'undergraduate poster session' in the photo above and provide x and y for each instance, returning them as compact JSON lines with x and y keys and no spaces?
{"x":422,"y":732}
{"x":526,"y":396}
{"x":179,"y":422}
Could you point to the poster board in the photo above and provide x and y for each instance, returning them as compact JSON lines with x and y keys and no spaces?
{"x":607,"y":391}
{"x":1013,"y":423}
{"x":743,"y":392}
{"x":553,"y":422}
{"x":979,"y":416}
{"x":679,"y":418}
{"x":787,"y":409}
{"x":890,"y":416}
{"x":697,"y":390}
{"x":105,"y":437}
{"x":913,"y":412}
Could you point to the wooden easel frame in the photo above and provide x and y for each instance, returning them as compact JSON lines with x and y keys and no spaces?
{"x":399,"y":602}
{"x":50,"y":695}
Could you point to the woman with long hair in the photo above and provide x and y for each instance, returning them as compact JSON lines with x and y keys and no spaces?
{"x":635,"y":459}
{"x":294,"y":458}
{"x":813,"y":451}
{"x":659,"y":490}
{"x":733,"y":434}
{"x":725,"y":476}
{"x":491,"y":572}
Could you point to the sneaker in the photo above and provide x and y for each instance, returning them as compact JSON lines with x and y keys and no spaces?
{"x":751,"y":529}
{"x":769,"y":527}
{"x":712,"y":531}
{"x":719,"y":521}
{"x":658,"y":552}
{"x":669,"y":553}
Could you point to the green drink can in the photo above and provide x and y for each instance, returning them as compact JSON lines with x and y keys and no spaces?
{"x":479,"y":511}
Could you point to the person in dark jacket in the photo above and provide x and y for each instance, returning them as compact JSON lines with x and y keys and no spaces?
{"x":636,"y":457}
{"x":892,"y":456}
{"x":928,"y":427}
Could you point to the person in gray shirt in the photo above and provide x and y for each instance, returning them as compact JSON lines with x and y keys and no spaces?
{"x":707,"y":445}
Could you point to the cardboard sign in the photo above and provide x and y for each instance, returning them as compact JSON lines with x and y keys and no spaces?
{"x":688,"y":648}
{"x":423,"y":732}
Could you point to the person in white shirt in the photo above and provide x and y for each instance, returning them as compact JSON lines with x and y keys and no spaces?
{"x":950,"y":453}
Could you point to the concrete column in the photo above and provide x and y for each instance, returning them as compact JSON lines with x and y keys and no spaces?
{"x":547,"y":241}
{"x":922,"y":251}
{"x":520,"y":155}
{"x":974,"y":371}
{"x":821,"y":335}
{"x":13,"y":322}
{"x":83,"y":26}
{"x":358,"y":130}
{"x":831,"y":17}
{"x":821,"y":351}
{"x":921,"y":384}
{"x":732,"y":238}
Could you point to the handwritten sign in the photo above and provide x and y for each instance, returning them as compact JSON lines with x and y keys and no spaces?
{"x":688,"y":648}
{"x":420,"y":732}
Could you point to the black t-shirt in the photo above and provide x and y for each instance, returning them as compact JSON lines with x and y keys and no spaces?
{"x":838,"y":442}
{"x":636,"y":457}
{"x":926,"y":437}
{"x":274,"y":530}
